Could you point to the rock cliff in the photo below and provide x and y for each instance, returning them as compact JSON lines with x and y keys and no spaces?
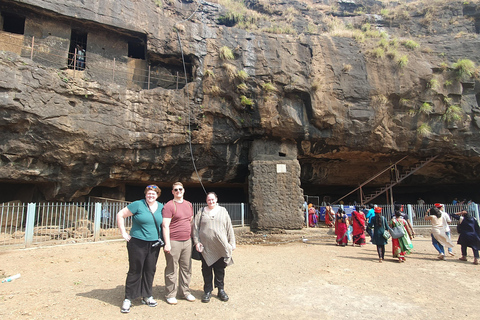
{"x":355,"y":86}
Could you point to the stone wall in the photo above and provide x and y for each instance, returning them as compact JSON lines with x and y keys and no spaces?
{"x":274,"y":186}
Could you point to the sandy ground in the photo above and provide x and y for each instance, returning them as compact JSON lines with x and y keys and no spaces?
{"x":279,"y":277}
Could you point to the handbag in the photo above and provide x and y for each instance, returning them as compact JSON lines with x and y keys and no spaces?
{"x":386,"y":234}
{"x":397,"y":232}
{"x":195,"y":254}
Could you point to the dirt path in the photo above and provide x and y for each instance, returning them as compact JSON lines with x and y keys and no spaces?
{"x":296,"y":280}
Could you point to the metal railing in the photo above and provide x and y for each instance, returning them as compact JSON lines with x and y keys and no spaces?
{"x":117,"y":70}
{"x":415,"y":212}
{"x":53,"y":223}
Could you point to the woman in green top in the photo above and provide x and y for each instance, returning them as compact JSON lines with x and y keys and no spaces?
{"x":143,"y":246}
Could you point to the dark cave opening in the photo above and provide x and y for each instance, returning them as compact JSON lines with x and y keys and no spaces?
{"x":167,"y":70}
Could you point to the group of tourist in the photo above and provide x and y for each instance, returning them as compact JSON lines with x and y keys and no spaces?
{"x":400,"y":230}
{"x":175,"y":228}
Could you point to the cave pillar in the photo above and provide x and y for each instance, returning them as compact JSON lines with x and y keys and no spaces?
{"x":276,"y":198}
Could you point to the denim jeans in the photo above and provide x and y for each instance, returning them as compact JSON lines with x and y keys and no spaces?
{"x":437,"y":245}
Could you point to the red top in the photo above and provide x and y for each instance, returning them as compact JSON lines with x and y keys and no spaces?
{"x":180,"y":225}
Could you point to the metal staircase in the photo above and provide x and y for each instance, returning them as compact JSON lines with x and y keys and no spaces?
{"x":398,"y":178}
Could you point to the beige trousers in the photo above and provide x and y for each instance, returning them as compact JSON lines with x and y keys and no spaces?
{"x":179,"y":261}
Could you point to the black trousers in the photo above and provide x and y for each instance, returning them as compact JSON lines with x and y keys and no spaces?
{"x":381,"y":252}
{"x":464,"y":251}
{"x":207,"y":271}
{"x":142,"y":260}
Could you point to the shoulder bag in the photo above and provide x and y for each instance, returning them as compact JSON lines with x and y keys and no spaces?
{"x":386,"y":234}
{"x":397,"y":232}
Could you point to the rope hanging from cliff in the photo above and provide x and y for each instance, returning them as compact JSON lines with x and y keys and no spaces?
{"x":187,"y":103}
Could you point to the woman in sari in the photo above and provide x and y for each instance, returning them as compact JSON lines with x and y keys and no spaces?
{"x":341,"y":227}
{"x":402,"y":245}
{"x":358,"y":222}
{"x":329,"y":216}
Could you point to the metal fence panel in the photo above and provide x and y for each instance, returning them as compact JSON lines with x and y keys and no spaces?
{"x":12,"y":217}
{"x":51,"y":223}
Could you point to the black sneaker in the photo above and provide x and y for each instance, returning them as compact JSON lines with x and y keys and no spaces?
{"x":126,"y":306}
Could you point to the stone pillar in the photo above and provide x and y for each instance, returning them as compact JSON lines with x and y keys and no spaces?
{"x":276,"y":198}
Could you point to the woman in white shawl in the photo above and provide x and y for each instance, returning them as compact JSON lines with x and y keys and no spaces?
{"x":214,"y":238}
{"x":440,"y":240}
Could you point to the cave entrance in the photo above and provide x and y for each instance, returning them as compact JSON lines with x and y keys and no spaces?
{"x":193,"y":193}
{"x":13,"y":23}
{"x":77,"y":50}
{"x":167,"y":70}
{"x":136,"y":50}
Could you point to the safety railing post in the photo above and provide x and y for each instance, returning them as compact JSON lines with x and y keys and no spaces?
{"x":243,"y":214}
{"x":97,"y":220}
{"x":410,"y":213}
{"x":31,"y":51}
{"x":29,"y":225}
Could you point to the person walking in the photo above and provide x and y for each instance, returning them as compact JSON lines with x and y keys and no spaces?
{"x":402,"y":245}
{"x":469,"y":234}
{"x":329,"y":216}
{"x":143,"y":246}
{"x":369,"y":215}
{"x":341,"y":227}
{"x":214,"y":238}
{"x":440,"y":239}
{"x":177,"y":232}
{"x":358,"y":222}
{"x":379,"y":224}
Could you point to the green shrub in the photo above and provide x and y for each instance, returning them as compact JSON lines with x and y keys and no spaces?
{"x":383,"y":43}
{"x":214,"y":91}
{"x":424,"y":130}
{"x":426,"y":108}
{"x":378,"y":52}
{"x":269,"y":87}
{"x":402,"y":61}
{"x":453,"y":114}
{"x":226,"y":54}
{"x":246,"y":101}
{"x":464,"y":67}
{"x":242,"y":75}
{"x":410,"y":44}
{"x":242,"y":87}
{"x":231,"y":70}
{"x":433,"y":84}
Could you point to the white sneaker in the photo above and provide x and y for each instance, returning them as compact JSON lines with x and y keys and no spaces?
{"x":451,"y":253}
{"x":149,"y":302}
{"x":441,"y":256}
{"x":172,"y":300}
{"x":126,"y":306}
{"x":190,"y":297}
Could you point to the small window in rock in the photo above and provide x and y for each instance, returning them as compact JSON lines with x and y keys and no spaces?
{"x":136,"y":50}
{"x":13,"y":23}
{"x":281,"y":154}
{"x":77,"y":51}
